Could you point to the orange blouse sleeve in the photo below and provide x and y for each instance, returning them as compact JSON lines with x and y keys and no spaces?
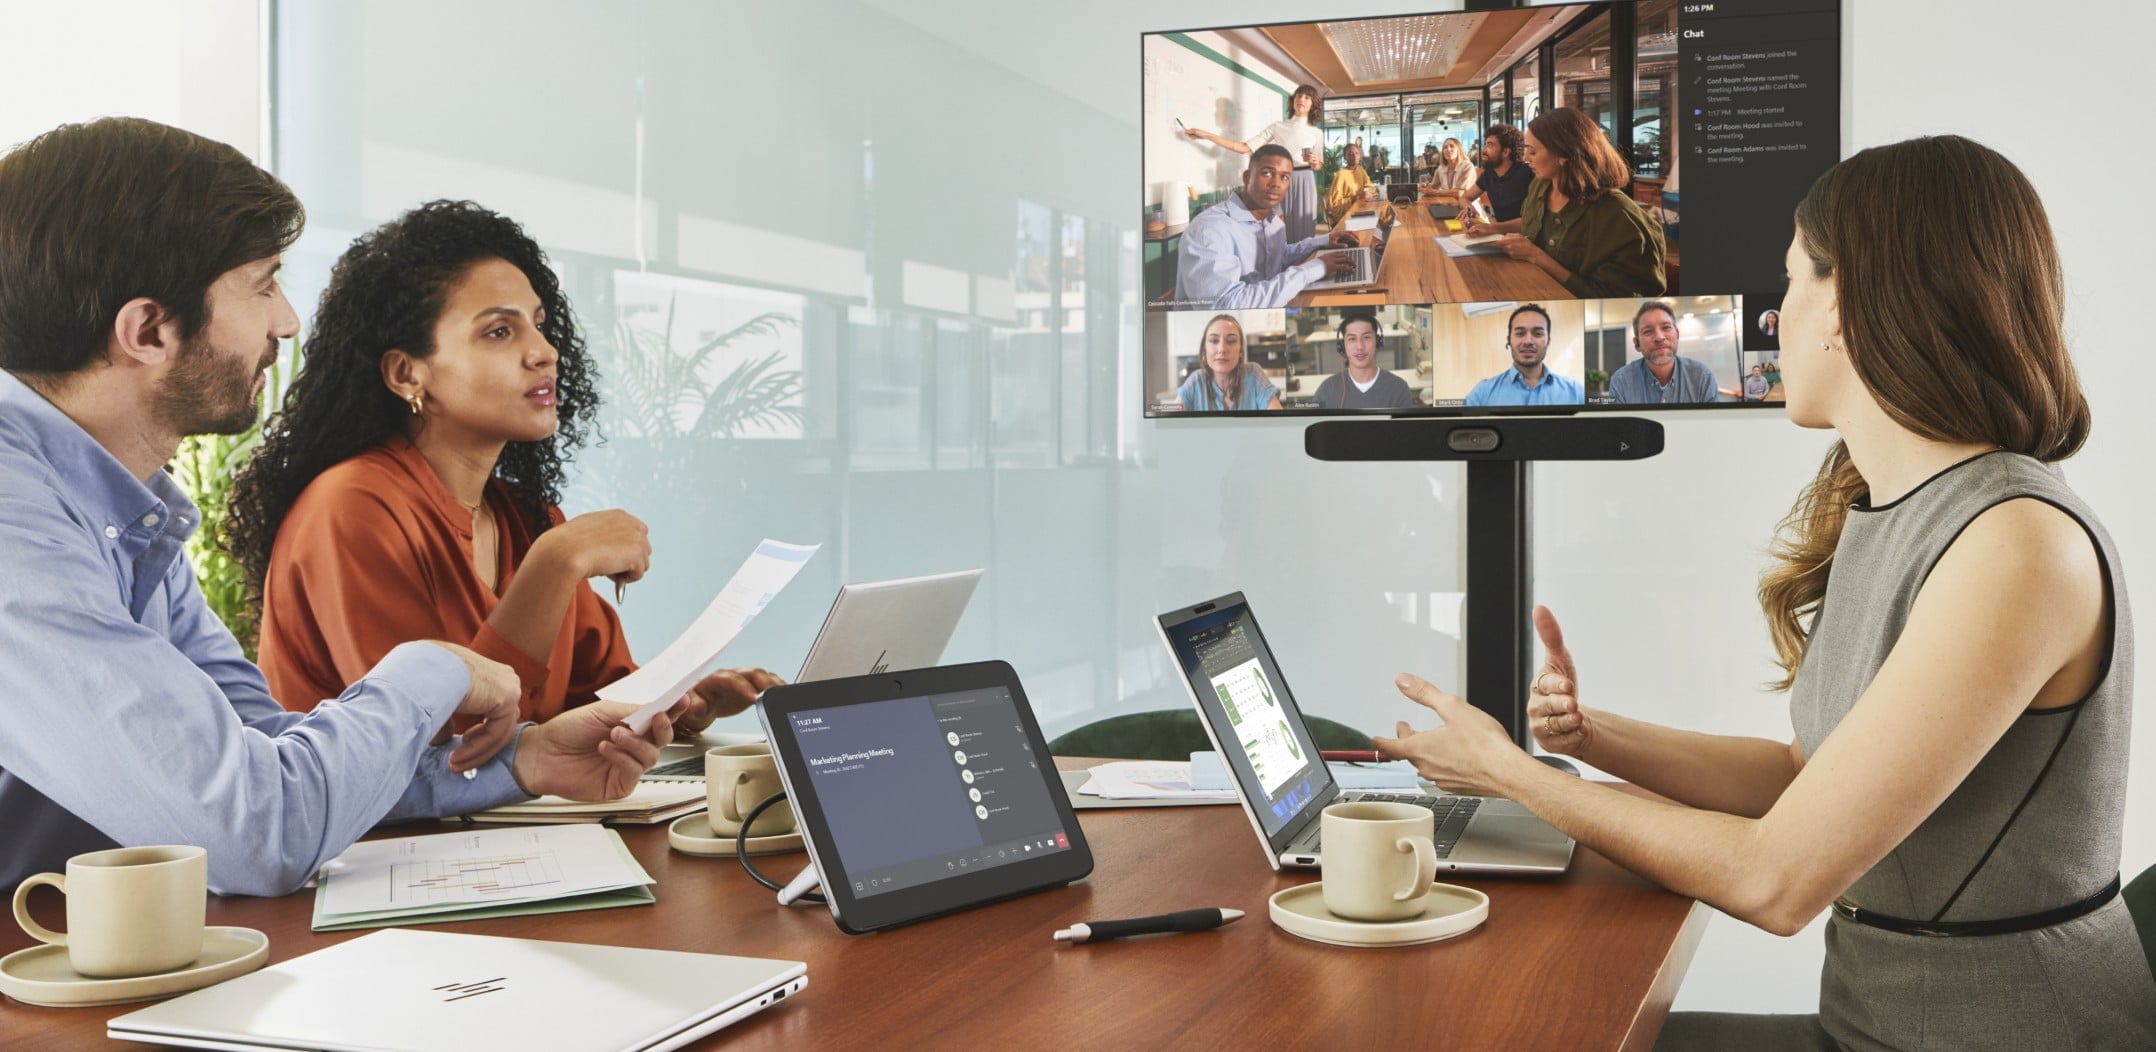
{"x":601,"y":648}
{"x":372,"y":578}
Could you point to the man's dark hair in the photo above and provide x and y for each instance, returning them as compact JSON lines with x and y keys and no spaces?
{"x":1526,"y":308}
{"x":1508,"y":139}
{"x":1271,"y":149}
{"x":1350,"y":317}
{"x":1648,"y":306}
{"x":94,"y":215}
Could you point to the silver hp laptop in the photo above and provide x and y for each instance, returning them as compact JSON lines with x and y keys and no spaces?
{"x":881,"y":626}
{"x":884,"y":626}
{"x":409,"y":989}
{"x":1254,"y":723}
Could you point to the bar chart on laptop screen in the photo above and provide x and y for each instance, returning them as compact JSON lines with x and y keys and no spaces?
{"x":1253,"y":709}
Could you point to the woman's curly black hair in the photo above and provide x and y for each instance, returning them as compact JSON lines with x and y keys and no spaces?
{"x":388,"y":291}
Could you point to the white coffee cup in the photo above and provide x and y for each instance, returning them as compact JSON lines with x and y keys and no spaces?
{"x":736,"y":779}
{"x":130,"y":910}
{"x":1378,"y":860}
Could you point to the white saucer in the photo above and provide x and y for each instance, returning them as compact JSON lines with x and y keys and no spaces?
{"x":41,"y":975}
{"x":692,"y":835}
{"x":1448,"y":910}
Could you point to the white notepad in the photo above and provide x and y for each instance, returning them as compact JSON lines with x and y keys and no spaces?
{"x":426,"y":990}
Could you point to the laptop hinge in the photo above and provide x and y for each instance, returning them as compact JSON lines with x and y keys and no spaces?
{"x":1303,"y":823}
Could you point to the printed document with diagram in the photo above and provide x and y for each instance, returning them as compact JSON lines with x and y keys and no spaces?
{"x":478,"y":873}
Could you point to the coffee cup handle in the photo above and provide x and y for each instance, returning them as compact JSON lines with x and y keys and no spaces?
{"x":1425,"y":868}
{"x":729,"y":801}
{"x":22,"y":908}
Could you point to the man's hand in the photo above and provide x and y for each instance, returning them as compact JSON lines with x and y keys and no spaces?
{"x":492,"y":700}
{"x":722,"y":693}
{"x":587,"y":754}
{"x":1337,"y":264}
{"x":1345,"y":238}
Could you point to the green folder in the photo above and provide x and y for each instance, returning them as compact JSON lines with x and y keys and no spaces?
{"x":633,"y":894}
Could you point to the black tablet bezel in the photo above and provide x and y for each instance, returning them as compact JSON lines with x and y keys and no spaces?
{"x":858,"y":915}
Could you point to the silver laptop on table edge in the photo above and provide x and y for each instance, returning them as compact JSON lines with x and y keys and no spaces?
{"x":381,"y":991}
{"x":875,"y":626}
{"x":1499,"y":836}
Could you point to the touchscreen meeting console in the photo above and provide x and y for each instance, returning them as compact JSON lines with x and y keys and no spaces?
{"x":923,"y":792}
{"x":1480,"y":211}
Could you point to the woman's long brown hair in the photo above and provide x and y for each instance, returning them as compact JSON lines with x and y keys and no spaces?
{"x":1952,"y":310}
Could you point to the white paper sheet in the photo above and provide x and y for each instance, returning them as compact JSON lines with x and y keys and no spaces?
{"x":488,"y":865}
{"x":1458,"y":245}
{"x":659,"y":684}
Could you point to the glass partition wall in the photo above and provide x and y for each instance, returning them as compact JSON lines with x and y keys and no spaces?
{"x":871,"y":320}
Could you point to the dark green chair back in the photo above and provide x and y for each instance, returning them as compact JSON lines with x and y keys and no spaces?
{"x":1173,"y":734}
{"x":2141,"y":902}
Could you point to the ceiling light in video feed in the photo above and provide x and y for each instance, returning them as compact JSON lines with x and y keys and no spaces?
{"x":1387,"y":49}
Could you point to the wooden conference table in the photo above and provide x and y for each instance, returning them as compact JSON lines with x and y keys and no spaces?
{"x":1586,"y":961}
{"x":1415,"y":270}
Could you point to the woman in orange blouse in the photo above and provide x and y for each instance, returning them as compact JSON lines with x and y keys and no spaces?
{"x":408,"y":487}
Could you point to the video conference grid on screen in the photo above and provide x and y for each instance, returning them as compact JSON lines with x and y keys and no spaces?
{"x":1433,"y":212}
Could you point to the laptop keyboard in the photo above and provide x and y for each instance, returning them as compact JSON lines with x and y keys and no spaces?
{"x":1449,"y":816}
{"x":1364,"y":272}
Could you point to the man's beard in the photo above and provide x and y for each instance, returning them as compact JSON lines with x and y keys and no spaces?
{"x":205,"y":394}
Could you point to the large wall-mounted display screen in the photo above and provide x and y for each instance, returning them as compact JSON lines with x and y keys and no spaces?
{"x":1477,"y":212}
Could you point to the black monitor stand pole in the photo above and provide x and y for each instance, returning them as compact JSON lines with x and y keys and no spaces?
{"x":1500,"y":456}
{"x":1500,"y":590}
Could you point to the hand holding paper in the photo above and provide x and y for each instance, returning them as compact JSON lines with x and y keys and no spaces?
{"x":661,"y":682}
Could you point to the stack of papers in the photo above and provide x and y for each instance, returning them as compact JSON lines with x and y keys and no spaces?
{"x":648,"y":804}
{"x":470,"y":875}
{"x":1148,"y":780}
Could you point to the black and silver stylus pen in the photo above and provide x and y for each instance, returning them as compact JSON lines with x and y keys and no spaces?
{"x":1166,"y":923}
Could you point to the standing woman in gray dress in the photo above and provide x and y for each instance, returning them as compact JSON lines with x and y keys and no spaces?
{"x":1953,"y":628}
{"x":1299,"y":135}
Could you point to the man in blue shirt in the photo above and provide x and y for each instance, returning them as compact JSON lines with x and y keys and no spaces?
{"x":1659,"y":375}
{"x":139,"y":304}
{"x":1236,"y":254}
{"x":1529,"y":381}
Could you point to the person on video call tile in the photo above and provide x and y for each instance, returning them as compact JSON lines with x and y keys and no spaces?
{"x":1348,"y":186}
{"x":1236,"y":254}
{"x":1529,"y":381}
{"x":1502,"y":181}
{"x":1362,"y":385}
{"x":1223,"y":381}
{"x":1660,"y":374}
{"x":1578,"y":225}
{"x":1756,"y":385}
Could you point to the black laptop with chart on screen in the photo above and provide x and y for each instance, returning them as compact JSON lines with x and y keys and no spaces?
{"x":1254,"y":723}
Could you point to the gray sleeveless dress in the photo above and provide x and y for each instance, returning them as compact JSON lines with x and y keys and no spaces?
{"x":2035,"y":826}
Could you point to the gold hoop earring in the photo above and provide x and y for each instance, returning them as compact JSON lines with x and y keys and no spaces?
{"x":417,"y":401}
